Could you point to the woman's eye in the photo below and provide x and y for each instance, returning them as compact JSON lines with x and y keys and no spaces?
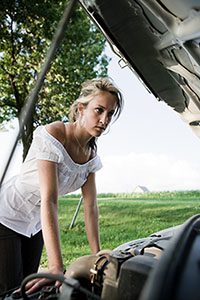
{"x":110,"y":114}
{"x":99,"y":110}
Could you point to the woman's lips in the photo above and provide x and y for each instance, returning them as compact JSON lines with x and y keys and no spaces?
{"x":101,"y":129}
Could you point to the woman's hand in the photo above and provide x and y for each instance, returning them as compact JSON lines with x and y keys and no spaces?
{"x":36,"y":284}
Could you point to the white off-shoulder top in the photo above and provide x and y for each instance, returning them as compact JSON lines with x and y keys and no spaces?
{"x":20,"y":196}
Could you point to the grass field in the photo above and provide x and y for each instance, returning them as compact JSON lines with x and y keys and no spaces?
{"x":123,"y":218}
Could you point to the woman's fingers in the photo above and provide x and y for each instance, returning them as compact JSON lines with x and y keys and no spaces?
{"x":31,"y":283}
{"x":37,"y":284}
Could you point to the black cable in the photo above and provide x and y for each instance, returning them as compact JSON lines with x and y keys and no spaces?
{"x":39,"y":275}
{"x":9,"y":292}
{"x":70,"y":282}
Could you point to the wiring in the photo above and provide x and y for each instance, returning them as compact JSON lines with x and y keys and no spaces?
{"x":70,"y":285}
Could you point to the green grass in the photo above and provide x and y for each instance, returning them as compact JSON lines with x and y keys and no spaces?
{"x":123,"y":217}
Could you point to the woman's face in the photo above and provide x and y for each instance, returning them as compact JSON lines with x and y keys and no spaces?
{"x":98,"y":113}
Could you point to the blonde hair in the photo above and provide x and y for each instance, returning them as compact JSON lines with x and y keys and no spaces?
{"x":91,"y":88}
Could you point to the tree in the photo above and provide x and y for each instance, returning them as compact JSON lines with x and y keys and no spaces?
{"x":26,"y":30}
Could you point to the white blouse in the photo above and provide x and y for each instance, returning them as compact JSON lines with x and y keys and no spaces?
{"x":20,"y":196}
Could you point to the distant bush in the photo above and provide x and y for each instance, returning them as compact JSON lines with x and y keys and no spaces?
{"x":193,"y":194}
{"x":153,"y":195}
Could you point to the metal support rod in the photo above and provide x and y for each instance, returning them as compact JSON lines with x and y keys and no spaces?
{"x":76,"y":213}
{"x":32,"y":99}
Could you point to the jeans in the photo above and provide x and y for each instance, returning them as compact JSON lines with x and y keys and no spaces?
{"x":19,"y":257}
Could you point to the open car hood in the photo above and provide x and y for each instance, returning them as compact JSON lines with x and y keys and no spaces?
{"x":160,"y":42}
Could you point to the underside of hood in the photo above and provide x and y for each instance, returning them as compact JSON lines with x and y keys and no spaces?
{"x":160,"y":42}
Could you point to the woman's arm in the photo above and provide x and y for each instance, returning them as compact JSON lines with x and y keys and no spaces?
{"x":91,"y":213}
{"x":49,"y":221}
{"x":49,"y":213}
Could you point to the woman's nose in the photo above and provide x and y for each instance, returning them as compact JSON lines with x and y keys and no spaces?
{"x":104,"y":119}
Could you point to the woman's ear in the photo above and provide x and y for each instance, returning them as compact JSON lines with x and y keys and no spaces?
{"x":80,"y":109}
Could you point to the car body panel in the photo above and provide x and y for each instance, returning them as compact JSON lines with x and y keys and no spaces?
{"x":160,"y":42}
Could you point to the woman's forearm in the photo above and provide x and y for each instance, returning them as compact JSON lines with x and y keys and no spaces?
{"x":51,"y":234}
{"x":92,"y":227}
{"x":48,"y":177}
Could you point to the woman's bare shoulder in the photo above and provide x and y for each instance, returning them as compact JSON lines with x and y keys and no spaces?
{"x":57,"y":130}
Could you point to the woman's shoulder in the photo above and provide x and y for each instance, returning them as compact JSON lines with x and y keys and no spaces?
{"x":57,"y":130}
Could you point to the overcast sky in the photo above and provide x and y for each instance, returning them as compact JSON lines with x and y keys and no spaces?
{"x":149,"y":144}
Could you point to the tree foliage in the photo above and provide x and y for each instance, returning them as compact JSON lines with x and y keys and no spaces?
{"x":26,"y":31}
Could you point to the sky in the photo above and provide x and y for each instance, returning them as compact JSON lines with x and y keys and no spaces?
{"x":149,"y":145}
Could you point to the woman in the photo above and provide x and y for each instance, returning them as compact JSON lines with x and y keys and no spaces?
{"x":61,"y":159}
